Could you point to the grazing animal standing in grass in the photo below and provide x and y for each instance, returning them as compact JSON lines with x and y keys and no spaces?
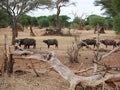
{"x":107,"y":42}
{"x":27,"y":42}
{"x":118,"y":44}
{"x":51,"y":42}
{"x":88,"y":42}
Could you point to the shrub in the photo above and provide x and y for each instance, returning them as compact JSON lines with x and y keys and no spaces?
{"x":87,"y":27}
{"x":74,"y":26}
{"x":3,"y":24}
{"x":43,"y":22}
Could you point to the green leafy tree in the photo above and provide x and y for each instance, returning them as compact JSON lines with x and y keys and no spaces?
{"x":64,"y":21}
{"x":74,"y":25}
{"x":107,"y":5}
{"x":34,"y":21}
{"x":43,"y":22}
{"x":58,"y":4}
{"x":52,"y":20}
{"x":76,"y":22}
{"x":4,"y":19}
{"x":24,"y":20}
{"x":116,"y":22}
{"x":112,"y":9}
{"x":16,"y":8}
{"x":27,"y":20}
{"x":95,"y":20}
{"x":109,"y":23}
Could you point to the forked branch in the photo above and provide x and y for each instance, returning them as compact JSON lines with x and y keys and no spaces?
{"x":68,"y":75}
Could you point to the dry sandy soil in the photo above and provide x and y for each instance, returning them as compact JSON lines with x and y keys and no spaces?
{"x":25,"y":78}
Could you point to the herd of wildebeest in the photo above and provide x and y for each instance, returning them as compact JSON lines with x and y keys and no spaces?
{"x":27,"y":42}
{"x":93,"y":42}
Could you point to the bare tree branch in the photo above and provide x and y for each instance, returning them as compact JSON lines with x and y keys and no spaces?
{"x":68,"y":75}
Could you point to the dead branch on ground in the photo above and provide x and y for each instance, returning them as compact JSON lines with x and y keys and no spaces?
{"x":73,"y":79}
{"x":98,"y":57}
{"x":73,"y":51}
{"x":108,"y":79}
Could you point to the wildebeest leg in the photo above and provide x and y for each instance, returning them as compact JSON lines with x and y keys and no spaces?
{"x":114,"y":46}
{"x":28,"y":46}
{"x":25,"y":46}
{"x":94,"y":45}
{"x":34,"y":46}
{"x":106,"y":46}
{"x":56,"y":45}
{"x":48,"y":46}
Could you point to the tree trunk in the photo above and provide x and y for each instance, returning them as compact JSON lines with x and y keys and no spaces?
{"x":10,"y":64}
{"x":34,"y":68}
{"x":4,"y":64}
{"x":107,"y":81}
{"x":80,"y":26}
{"x":8,"y":59}
{"x":14,"y":30}
{"x":58,"y":27}
{"x":31,"y":31}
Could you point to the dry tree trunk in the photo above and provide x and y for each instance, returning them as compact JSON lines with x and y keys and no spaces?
{"x":8,"y":58}
{"x":34,"y":68}
{"x":3,"y":67}
{"x":97,"y":56}
{"x":20,"y":27}
{"x":97,"y":53}
{"x":74,"y":80}
{"x":31,"y":31}
{"x":80,"y":26}
{"x":73,"y":51}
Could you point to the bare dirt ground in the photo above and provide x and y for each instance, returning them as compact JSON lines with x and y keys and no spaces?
{"x":24,"y":78}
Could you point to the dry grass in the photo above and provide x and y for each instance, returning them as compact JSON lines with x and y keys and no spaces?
{"x":52,"y":80}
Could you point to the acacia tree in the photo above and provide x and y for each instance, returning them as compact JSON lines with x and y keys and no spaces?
{"x":112,"y":9}
{"x":95,"y":20}
{"x":16,"y":8}
{"x":58,"y":4}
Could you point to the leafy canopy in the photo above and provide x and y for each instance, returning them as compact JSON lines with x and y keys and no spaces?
{"x":112,"y":8}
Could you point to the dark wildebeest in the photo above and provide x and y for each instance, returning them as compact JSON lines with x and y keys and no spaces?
{"x":51,"y":42}
{"x":118,"y":44}
{"x":18,"y":41}
{"x":88,"y":42}
{"x":107,"y":42}
{"x":27,"y":42}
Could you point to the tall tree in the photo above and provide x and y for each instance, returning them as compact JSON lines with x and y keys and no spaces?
{"x":107,"y":5}
{"x":15,"y":8}
{"x":112,"y":8}
{"x":58,"y":4}
{"x":95,"y":20}
{"x":24,"y":20}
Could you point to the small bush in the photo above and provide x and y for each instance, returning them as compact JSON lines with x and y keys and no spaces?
{"x":87,"y":27}
{"x":3,"y":24}
{"x":74,"y":26}
{"x":44,"y":22}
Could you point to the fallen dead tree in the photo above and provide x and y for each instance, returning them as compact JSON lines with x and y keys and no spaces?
{"x":108,"y":79}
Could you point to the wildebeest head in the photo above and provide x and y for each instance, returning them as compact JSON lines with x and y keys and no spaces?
{"x":102,"y":41}
{"x":45,"y":41}
{"x":18,"y":41}
{"x":118,"y":44}
{"x":87,"y":42}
